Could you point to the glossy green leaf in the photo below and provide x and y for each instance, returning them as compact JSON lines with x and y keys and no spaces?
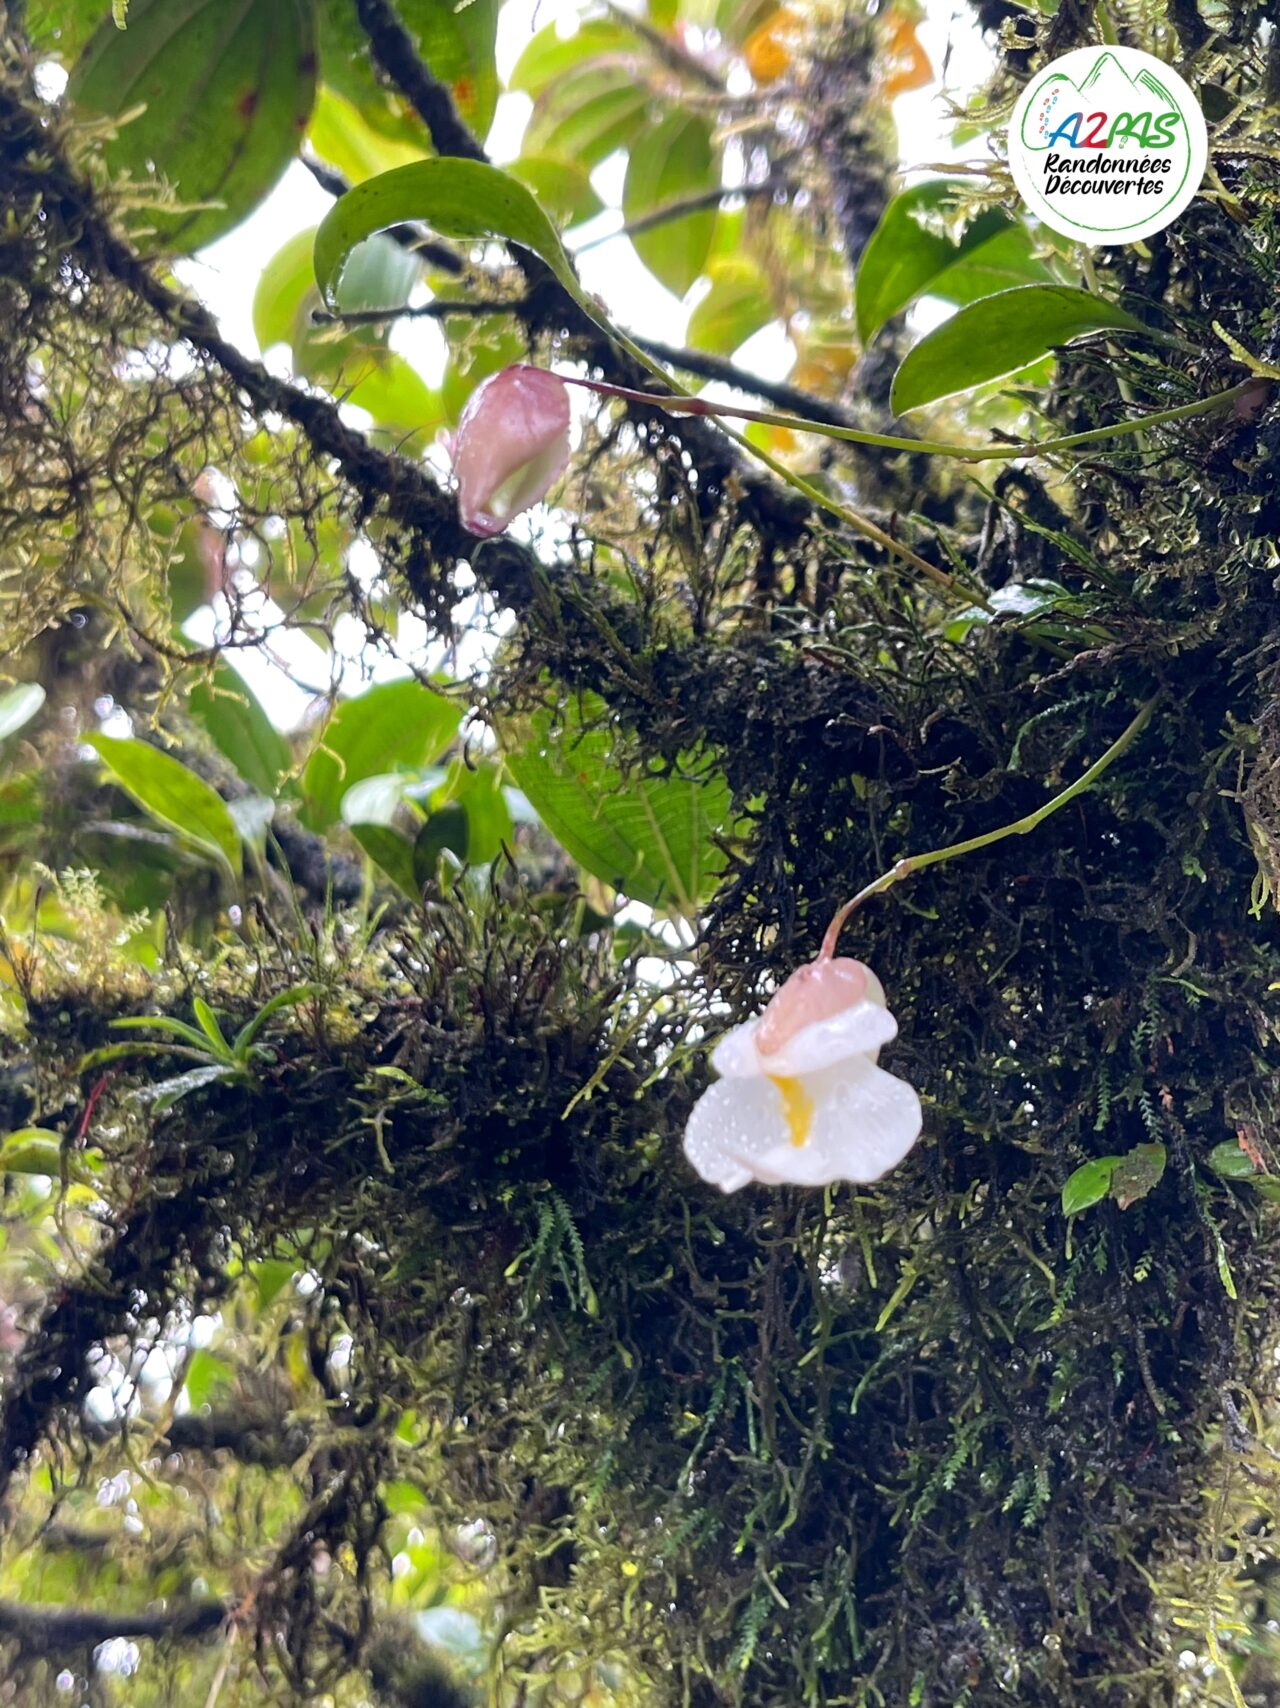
{"x":670,"y":163}
{"x":1089,"y":1185}
{"x":650,"y":836}
{"x":240,"y":729}
{"x":997,"y":335}
{"x":31,"y":1150}
{"x":737,"y":305}
{"x":455,"y":38}
{"x":18,"y":706}
{"x":481,"y":796}
{"x":446,"y":831}
{"x":208,"y":1377}
{"x":914,"y":250}
{"x":391,"y":852}
{"x":165,"y":788}
{"x":550,"y":54}
{"x":459,"y":198}
{"x":1137,"y":1173}
{"x":589,"y":114}
{"x":343,"y":135}
{"x":391,"y":724}
{"x":227,"y":87}
{"x":63,"y":26}
{"x":271,"y":1276}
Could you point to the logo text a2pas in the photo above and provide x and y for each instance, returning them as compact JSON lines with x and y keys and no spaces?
{"x":1107,"y":145}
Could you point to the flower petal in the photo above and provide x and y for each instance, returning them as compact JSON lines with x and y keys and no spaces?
{"x":856,"y":1031}
{"x":735,"y":1055}
{"x":732,"y":1121}
{"x":864,"y":1122}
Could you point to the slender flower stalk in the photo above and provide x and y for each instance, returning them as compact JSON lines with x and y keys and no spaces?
{"x":1020,"y":827}
{"x":676,"y":404}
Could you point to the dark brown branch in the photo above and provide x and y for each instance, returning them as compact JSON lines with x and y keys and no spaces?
{"x":45,"y":1631}
{"x":396,"y":55}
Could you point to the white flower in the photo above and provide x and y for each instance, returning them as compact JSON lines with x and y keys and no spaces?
{"x":800,"y":1099}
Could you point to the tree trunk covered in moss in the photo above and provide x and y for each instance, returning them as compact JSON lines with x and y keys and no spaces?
{"x":926,"y":1442}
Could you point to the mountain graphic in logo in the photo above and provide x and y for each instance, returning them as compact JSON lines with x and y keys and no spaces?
{"x":1108,"y":89}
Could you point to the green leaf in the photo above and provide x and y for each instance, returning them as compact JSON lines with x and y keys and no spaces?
{"x":590,"y":113}
{"x":1229,"y":1161}
{"x":272,"y":1275}
{"x":737,"y":305}
{"x":62,"y":26}
{"x":165,"y":788}
{"x":19,"y":706}
{"x":31,"y":1150}
{"x":207,"y":1376}
{"x":1018,"y":599}
{"x":480,"y":794}
{"x":241,"y":730}
{"x":391,"y":724}
{"x":209,"y":1026}
{"x":669,"y":163}
{"x":561,"y":186}
{"x":282,"y":999}
{"x":392,"y":853}
{"x":1089,"y":1185}
{"x":166,"y":1092}
{"x":445,"y":831}
{"x":550,"y":54}
{"x":998,"y":335}
{"x":913,"y":251}
{"x":227,"y":86}
{"x":458,"y":198}
{"x":343,"y":135}
{"x":1137,"y":1173}
{"x":649,"y":836}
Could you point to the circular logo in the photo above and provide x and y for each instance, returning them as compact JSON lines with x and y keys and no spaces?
{"x":1107,"y":144}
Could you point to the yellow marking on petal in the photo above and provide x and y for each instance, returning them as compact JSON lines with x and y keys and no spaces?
{"x":797,"y":1106}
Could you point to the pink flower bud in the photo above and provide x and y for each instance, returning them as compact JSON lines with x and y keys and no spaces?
{"x":512,"y":442}
{"x":817,"y":991}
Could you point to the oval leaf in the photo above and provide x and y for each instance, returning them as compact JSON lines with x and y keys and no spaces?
{"x":670,"y":163}
{"x":1089,"y":1185}
{"x":1232,"y":1163}
{"x":912,"y":251}
{"x":1137,"y":1173}
{"x":164,"y":787}
{"x":651,"y":837}
{"x":241,"y":730}
{"x":391,"y":853}
{"x":392,"y":724}
{"x":457,"y":198}
{"x":226,"y":87}
{"x":999,"y":334}
{"x":737,"y":305}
